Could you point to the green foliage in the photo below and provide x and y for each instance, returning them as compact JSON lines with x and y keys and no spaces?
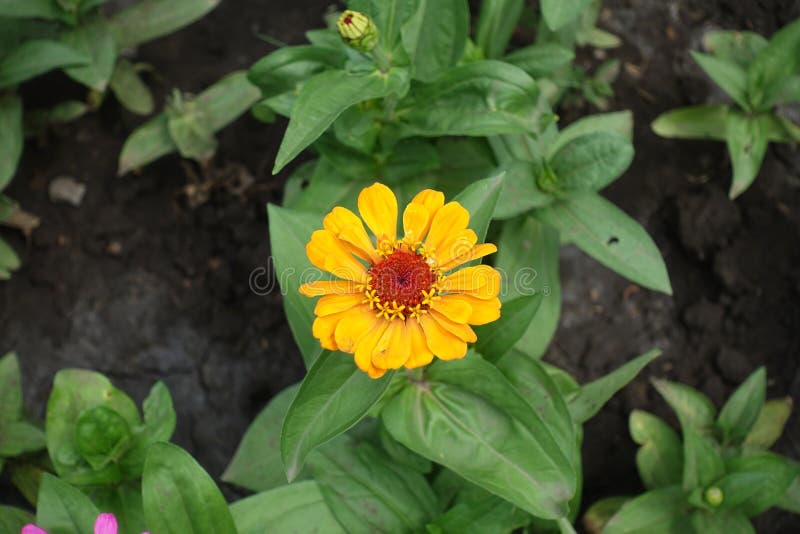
{"x":718,"y":477}
{"x":758,"y":75}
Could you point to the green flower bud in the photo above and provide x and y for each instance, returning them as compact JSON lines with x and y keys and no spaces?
{"x":358,"y":30}
{"x":714,"y":496}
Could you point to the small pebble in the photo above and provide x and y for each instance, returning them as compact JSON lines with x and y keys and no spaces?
{"x":67,"y":190}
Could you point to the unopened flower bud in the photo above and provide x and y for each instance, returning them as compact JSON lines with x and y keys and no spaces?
{"x":358,"y":30}
{"x":714,"y":496}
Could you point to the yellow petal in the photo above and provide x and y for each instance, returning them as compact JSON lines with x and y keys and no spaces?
{"x":392,"y":350}
{"x":329,"y":253}
{"x":449,"y":220}
{"x":324,"y":328}
{"x":330,"y":304}
{"x":416,"y":221}
{"x":483,"y":311}
{"x":433,"y":200}
{"x":365,"y":345}
{"x":374,"y":372}
{"x":378,"y":207}
{"x":420,"y":354}
{"x":456,"y":310}
{"x":328,"y":287}
{"x":456,"y":245}
{"x":346,"y":225}
{"x":462,"y":331}
{"x":357,"y":323}
{"x":479,"y":281}
{"x":478,"y":251}
{"x":441,"y":342}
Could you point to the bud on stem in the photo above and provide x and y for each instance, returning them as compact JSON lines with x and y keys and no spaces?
{"x":358,"y":30}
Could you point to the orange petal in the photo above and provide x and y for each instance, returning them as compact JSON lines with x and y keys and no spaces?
{"x":420,"y":354}
{"x":392,"y":350}
{"x":479,"y":281}
{"x":324,"y":328}
{"x":356,"y":324}
{"x":483,"y":311}
{"x":330,"y":304}
{"x":456,"y":245}
{"x":378,"y":207}
{"x":346,"y":225}
{"x":330,"y":254}
{"x":441,"y":342}
{"x":462,"y":331}
{"x":449,"y":220}
{"x":456,"y":310}
{"x":328,"y":287}
{"x":365,"y":345}
{"x":478,"y":251}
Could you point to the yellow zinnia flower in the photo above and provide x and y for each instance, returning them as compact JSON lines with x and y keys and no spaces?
{"x":400,"y":302}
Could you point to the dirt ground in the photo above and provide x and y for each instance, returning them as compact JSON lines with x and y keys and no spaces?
{"x":137,"y":285}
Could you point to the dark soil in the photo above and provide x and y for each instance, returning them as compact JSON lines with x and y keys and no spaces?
{"x":139,"y":286}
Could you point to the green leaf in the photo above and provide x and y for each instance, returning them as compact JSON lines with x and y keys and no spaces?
{"x":591,"y":162}
{"x":594,"y":395}
{"x":334,"y":396}
{"x":150,"y":19}
{"x":496,"y":23}
{"x":13,"y":519}
{"x":35,"y":57}
{"x":462,"y":161}
{"x":95,"y":40}
{"x":402,"y":455}
{"x":369,"y":493}
{"x":220,"y":104}
{"x":774,"y":63}
{"x":190,"y":130}
{"x":285,"y":509}
{"x":728,"y":75}
{"x":101,"y":436}
{"x":659,"y":511}
{"x":9,"y":261}
{"x":736,"y":46}
{"x":44,"y":9}
{"x":435,"y":36}
{"x":617,"y":122}
{"x":286,"y":68}
{"x":791,"y":499}
{"x":289,"y":232}
{"x":541,"y":60}
{"x":159,"y":414}
{"x":702,"y":459}
{"x":707,"y":121}
{"x":476,"y":99}
{"x":497,"y":338}
{"x":600,"y":513}
{"x":10,"y":390}
{"x":747,"y":145}
{"x":694,"y":410}
{"x":528,"y":255}
{"x":610,"y":236}
{"x":63,"y":509}
{"x":487,"y":515}
{"x":257,"y":463}
{"x":74,"y":392}
{"x":130,"y":90}
{"x":11,"y":136}
{"x":180,"y":497}
{"x":466,"y":416}
{"x":753,"y":484}
{"x":720,"y":522}
{"x":739,"y":414}
{"x":520,"y":191}
{"x":558,"y":13}
{"x":19,"y":437}
{"x":769,"y":424}
{"x":324,"y":97}
{"x":660,"y":455}
{"x":480,"y":199}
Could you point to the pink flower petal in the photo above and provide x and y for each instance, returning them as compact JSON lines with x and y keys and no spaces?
{"x":105,"y":524}
{"x":32,"y":529}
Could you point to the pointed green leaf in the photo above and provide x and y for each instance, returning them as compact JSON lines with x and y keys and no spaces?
{"x":480,"y":199}
{"x":747,"y":145}
{"x":180,"y":497}
{"x":702,"y":459}
{"x":45,"y":9}
{"x":660,"y":455}
{"x":13,"y":519}
{"x":286,"y":68}
{"x":159,"y":413}
{"x":739,"y":414}
{"x":753,"y":484}
{"x":590,"y":162}
{"x":728,"y":75}
{"x":774,"y":63}
{"x":541,"y":60}
{"x":435,"y":36}
{"x":36,"y":57}
{"x":694,"y":410}
{"x":10,"y":389}
{"x":592,"y":396}
{"x":617,"y":122}
{"x":660,"y":511}
{"x":20,"y":437}
{"x":63,"y":508}
{"x":95,"y":40}
{"x":707,"y":121}
{"x":497,"y":338}
{"x":769,"y":424}
{"x":610,"y":236}
{"x":737,"y":46}
{"x":11,"y":136}
{"x":150,"y":19}
{"x":496,"y":23}
{"x":558,"y":13}
{"x":334,"y":396}
{"x":600,"y":513}
{"x":130,"y":90}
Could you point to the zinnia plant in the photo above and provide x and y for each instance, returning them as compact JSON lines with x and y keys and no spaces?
{"x":400,"y":301}
{"x":104,"y":524}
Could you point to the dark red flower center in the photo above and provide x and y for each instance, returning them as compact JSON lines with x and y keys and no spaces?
{"x":348,"y":19}
{"x":401,"y":278}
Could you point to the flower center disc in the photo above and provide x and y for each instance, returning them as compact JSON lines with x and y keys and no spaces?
{"x":401,"y":278}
